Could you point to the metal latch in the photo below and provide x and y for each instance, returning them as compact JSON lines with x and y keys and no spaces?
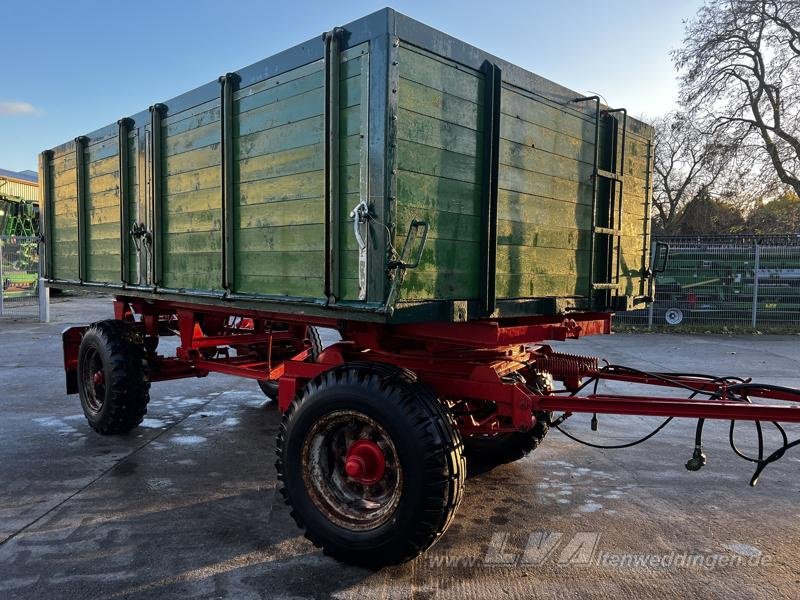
{"x":140,"y":232}
{"x":400,"y":265}
{"x":360,"y":216}
{"x":413,"y":228}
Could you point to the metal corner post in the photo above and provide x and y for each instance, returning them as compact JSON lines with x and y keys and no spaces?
{"x":125,"y":126}
{"x":156,"y":189}
{"x":228,"y":83}
{"x":45,"y":210}
{"x":331,"y":40}
{"x":490,"y":168}
{"x":80,"y":184}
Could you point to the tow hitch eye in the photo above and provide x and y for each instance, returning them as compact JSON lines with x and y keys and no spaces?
{"x":365,"y":462}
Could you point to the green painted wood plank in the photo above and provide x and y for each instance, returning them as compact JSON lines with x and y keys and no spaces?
{"x":284,"y":263}
{"x":442,"y":225}
{"x":106,"y":246}
{"x":517,"y":260}
{"x":285,"y":137}
{"x":437,"y":162}
{"x":422,"y":129}
{"x":172,"y":118}
{"x":208,"y":199}
{"x":439,"y":105}
{"x":294,"y":135}
{"x":297,"y":108}
{"x":191,"y":121}
{"x":200,"y":158}
{"x":66,"y":233}
{"x":194,"y":221}
{"x":64,"y":178}
{"x":291,"y":187}
{"x":295,"y":161}
{"x":539,"y":162}
{"x":64,"y":162}
{"x":541,"y":236}
{"x":563,"y":121}
{"x":200,"y":179}
{"x":526,"y":285}
{"x":186,"y":243}
{"x":103,"y":214}
{"x":301,"y":286}
{"x":103,"y":185}
{"x":101,"y":150}
{"x":291,"y":238}
{"x":517,"y":130}
{"x":102,"y":231}
{"x":418,"y":286}
{"x":103,"y":262}
{"x":198,"y":137}
{"x":519,"y":180}
{"x":302,"y":211}
{"x":288,"y":187}
{"x":428,"y":192}
{"x":277,"y":89}
{"x":440,"y":74}
{"x":548,"y":212}
{"x":104,"y":166}
{"x":104,"y":275}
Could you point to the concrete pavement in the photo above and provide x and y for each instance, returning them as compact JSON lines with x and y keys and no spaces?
{"x":186,"y":505}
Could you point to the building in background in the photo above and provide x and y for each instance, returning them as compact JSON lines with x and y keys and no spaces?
{"x":19,"y":203}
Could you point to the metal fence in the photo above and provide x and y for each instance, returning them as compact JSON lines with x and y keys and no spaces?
{"x":21,"y":296}
{"x":718,"y":282}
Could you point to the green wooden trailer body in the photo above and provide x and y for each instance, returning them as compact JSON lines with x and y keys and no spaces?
{"x":293,"y":185}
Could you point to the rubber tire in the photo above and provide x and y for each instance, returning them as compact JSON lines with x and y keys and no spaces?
{"x":428,"y":445}
{"x":270,"y":386}
{"x":505,"y":448}
{"x":127,"y":389}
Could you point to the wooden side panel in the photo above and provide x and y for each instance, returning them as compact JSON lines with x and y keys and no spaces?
{"x":279,"y":183}
{"x":65,"y":214}
{"x":102,"y":211}
{"x":191,"y":206}
{"x":545,"y":198}
{"x":439,"y":146}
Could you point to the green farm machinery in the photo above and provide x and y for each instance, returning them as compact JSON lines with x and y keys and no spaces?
{"x":730,"y":277}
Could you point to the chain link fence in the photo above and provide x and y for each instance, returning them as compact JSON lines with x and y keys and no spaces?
{"x":724,"y":282}
{"x":19,"y":277}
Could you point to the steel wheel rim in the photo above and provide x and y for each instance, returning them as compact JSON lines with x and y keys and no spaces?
{"x":673,"y":316}
{"x":94,"y":391}
{"x":341,"y":499}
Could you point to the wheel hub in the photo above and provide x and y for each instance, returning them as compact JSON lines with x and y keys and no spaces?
{"x":351,"y":470}
{"x":98,"y":378}
{"x":365,"y":462}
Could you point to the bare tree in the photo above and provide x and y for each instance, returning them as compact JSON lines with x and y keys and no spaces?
{"x":740,"y":64}
{"x":688,"y":164}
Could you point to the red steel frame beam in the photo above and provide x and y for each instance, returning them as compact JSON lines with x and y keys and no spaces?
{"x":461,"y":361}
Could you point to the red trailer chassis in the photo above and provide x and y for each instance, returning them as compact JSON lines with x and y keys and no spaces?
{"x":482,"y":368}
{"x":377,"y":428}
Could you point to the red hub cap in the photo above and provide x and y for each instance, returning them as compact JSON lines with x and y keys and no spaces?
{"x":97,"y":378}
{"x":365,"y":462}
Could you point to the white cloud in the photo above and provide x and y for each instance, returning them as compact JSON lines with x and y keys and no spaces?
{"x":18,"y":108}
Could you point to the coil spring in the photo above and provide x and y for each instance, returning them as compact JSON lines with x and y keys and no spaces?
{"x":566,"y":367}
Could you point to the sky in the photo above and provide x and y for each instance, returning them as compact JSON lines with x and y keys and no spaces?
{"x":70,"y":67}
